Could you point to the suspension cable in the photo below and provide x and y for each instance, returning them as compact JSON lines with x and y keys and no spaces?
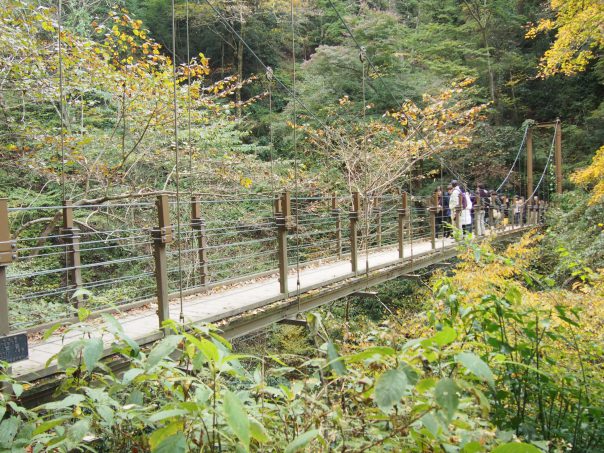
{"x":296,"y":188}
{"x":515,"y":159}
{"x":189,"y":101}
{"x":177,"y":171}
{"x":363,"y":58}
{"x":61,"y":96}
{"x":270,"y":78}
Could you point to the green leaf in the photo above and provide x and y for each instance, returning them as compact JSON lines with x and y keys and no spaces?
{"x":163,"y":349}
{"x":335,"y":361}
{"x":8,"y":430}
{"x":93,"y":351}
{"x":374,"y":353}
{"x":513,"y":295}
{"x":83,"y":314}
{"x":50,"y":331}
{"x":162,"y":415}
{"x":17,"y":390}
{"x":301,"y":441}
{"x":445,"y":336}
{"x":472,"y":447}
{"x":446,"y":396}
{"x":71,"y":400}
{"x":130,"y":375}
{"x":68,"y":354}
{"x":476,"y":366}
{"x":43,"y":427}
{"x":206,"y":347}
{"x":159,"y":435}
{"x":78,"y":430}
{"x":236,"y":417}
{"x":389,"y":389}
{"x":516,"y":447}
{"x":258,"y":431}
{"x":176,"y":443}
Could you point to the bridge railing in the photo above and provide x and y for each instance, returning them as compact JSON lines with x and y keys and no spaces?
{"x":125,"y":253}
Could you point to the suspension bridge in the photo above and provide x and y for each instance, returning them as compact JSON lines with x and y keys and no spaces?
{"x":242,"y":261}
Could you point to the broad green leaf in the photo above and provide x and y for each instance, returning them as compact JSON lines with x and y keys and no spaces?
{"x":476,"y":366}
{"x":335,"y":361}
{"x":8,"y":430}
{"x":162,"y":415}
{"x":163,"y":349}
{"x":176,"y":443}
{"x":113,"y":324}
{"x":472,"y":447}
{"x":78,"y":430}
{"x":301,"y":441}
{"x":43,"y":427}
{"x":206,"y":347}
{"x":236,"y":417}
{"x":412,"y":374}
{"x":389,"y":389}
{"x":258,"y":431}
{"x":68,"y":354}
{"x":446,"y":396}
{"x":161,"y":434}
{"x":373,"y":353}
{"x":431,"y":423}
{"x":445,"y":336}
{"x":93,"y":351}
{"x":131,"y":374}
{"x":69,"y":401}
{"x":50,"y":331}
{"x":516,"y":447}
{"x":17,"y":390}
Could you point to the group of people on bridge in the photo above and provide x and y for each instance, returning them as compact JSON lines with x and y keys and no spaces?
{"x":473,"y":217}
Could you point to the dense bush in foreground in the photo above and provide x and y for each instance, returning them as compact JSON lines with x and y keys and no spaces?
{"x":500,"y":358}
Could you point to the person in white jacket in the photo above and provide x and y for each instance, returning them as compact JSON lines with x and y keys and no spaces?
{"x":466,"y":214}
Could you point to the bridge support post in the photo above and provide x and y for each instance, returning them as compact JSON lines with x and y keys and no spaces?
{"x":354,"y":219}
{"x":72,"y":252}
{"x":403,"y":215}
{"x":199,"y":227}
{"x":281,"y":205}
{"x":492,"y":214}
{"x":433,"y":210}
{"x":378,"y":231}
{"x":335,"y":212}
{"x":477,"y":213}
{"x":511,"y":216}
{"x":162,"y":235}
{"x":6,"y":257}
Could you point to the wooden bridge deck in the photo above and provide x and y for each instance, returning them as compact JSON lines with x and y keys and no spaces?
{"x":222,"y":303}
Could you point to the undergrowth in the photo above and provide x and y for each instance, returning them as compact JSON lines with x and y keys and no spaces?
{"x":500,"y":360}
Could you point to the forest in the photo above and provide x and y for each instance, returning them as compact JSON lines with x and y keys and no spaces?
{"x":219,"y":111}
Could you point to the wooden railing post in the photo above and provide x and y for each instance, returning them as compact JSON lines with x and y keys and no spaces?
{"x":492,"y":214}
{"x":281,"y":222}
{"x":6,"y":257}
{"x":403,"y":215}
{"x":378,"y":231}
{"x":335,"y":212}
{"x":433,"y":208}
{"x":73,"y":263}
{"x":511,"y":214}
{"x":354,"y":218}
{"x":198,"y":225}
{"x":477,"y":213}
{"x":162,"y":235}
{"x":459,"y":209}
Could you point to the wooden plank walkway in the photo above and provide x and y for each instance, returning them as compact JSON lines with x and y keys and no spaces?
{"x":221,"y":303}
